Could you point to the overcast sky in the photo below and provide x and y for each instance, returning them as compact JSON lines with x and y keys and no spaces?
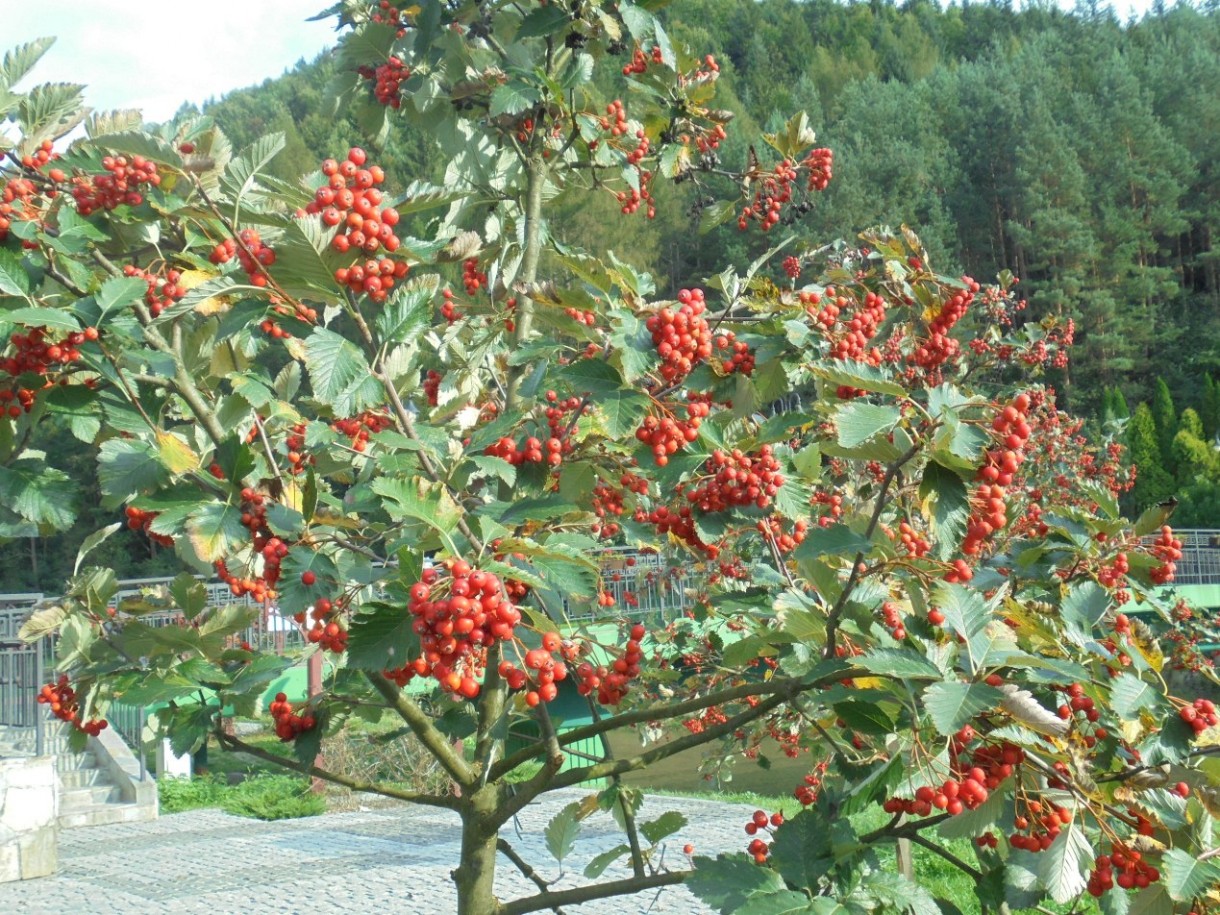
{"x":156,"y":56}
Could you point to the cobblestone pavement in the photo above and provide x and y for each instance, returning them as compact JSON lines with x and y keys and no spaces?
{"x":390,"y":860}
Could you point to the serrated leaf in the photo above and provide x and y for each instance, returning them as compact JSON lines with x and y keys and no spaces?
{"x":665,"y":825}
{"x":727,"y":881}
{"x":801,"y":850}
{"x":406,"y":312}
{"x":623,"y":411}
{"x":381,"y":637}
{"x":592,"y":376}
{"x":18,"y":61}
{"x":242,"y":173}
{"x":1022,"y":707}
{"x":858,"y":423}
{"x":120,"y":292}
{"x":1061,"y":868}
{"x":215,"y":530}
{"x":92,"y":541}
{"x":861,"y":375}
{"x":175,"y":454}
{"x":946,"y":504}
{"x":13,"y":278}
{"x":189,"y":594}
{"x":1187,"y":877}
{"x":598,"y":865}
{"x":1085,"y":605}
{"x":1130,"y":694}
{"x":952,"y":705}
{"x":966,"y":615}
{"x":512,"y":98}
{"x":899,"y":663}
{"x":562,"y":831}
{"x":38,"y":493}
{"x":790,"y":902}
{"x":127,"y":467}
{"x":42,"y":622}
{"x":339,"y":374}
{"x":39,"y":316}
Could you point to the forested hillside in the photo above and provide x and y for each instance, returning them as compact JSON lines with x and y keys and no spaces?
{"x":1079,"y":151}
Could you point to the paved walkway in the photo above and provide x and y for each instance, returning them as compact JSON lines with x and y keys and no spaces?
{"x":394,"y":861}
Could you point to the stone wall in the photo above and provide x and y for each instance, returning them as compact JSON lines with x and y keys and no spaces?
{"x":29,"y":802}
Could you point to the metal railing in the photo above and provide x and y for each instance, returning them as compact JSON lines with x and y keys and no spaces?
{"x":21,"y":677}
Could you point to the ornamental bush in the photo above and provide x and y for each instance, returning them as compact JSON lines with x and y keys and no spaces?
{"x":411,"y":417}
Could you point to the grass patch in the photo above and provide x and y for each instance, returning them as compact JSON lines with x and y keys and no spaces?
{"x":262,"y":797}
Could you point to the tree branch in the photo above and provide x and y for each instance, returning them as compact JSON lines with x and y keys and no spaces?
{"x":579,"y":894}
{"x":526,"y":870}
{"x":946,"y":854}
{"x":435,"y":742}
{"x":415,"y":797}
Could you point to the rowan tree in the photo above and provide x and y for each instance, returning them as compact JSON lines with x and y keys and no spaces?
{"x":416,"y":443}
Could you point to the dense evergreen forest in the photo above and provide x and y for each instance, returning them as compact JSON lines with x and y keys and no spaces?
{"x":1081,"y":152}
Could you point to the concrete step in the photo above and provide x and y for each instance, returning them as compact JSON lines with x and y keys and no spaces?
{"x":83,"y":778}
{"x":103,"y":815}
{"x":72,"y":800}
{"x":68,"y":762}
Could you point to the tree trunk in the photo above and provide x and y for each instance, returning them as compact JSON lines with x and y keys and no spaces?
{"x":475,"y":875}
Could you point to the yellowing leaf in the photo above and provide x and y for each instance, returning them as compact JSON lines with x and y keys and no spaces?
{"x":175,"y":454}
{"x":213,"y":304}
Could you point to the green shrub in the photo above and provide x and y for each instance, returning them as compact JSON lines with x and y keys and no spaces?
{"x":179,"y":794}
{"x":273,"y":797}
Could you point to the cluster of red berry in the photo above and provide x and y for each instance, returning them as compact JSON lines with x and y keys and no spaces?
{"x":1133,"y":871}
{"x":358,"y":428}
{"x":939,"y":348}
{"x":1114,"y":575}
{"x":850,"y":326}
{"x":811,"y":784}
{"x":769,"y":199}
{"x":612,"y":683}
{"x":1168,"y":549}
{"x":388,"y":14}
{"x":819,"y":162}
{"x":542,"y":670}
{"x":759,"y":848}
{"x":737,"y":479}
{"x":252,"y":254}
{"x":640,"y":60}
{"x":1200,"y":715}
{"x":784,"y":542}
{"x":989,"y":510}
{"x":289,"y":724}
{"x":682,"y":338}
{"x":891,"y":615}
{"x":432,"y":386}
{"x":324,"y":630}
{"x":163,"y":290}
{"x":912,"y":541}
{"x":667,"y":435}
{"x":17,"y":203}
{"x":61,"y":698}
{"x":119,"y":186}
{"x":741,"y":359}
{"x":456,"y":629}
{"x":139,"y":520}
{"x":295,"y":443}
{"x":386,"y":79}
{"x":473,"y":279}
{"x":792,"y":267}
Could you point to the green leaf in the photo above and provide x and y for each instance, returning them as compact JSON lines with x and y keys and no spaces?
{"x":381,"y":637}
{"x":92,"y":541}
{"x":1151,"y":900}
{"x":952,"y":705}
{"x":18,"y":61}
{"x":42,"y":317}
{"x":598,"y":865}
{"x":966,"y":615}
{"x":623,"y":411}
{"x":859,"y":375}
{"x":1130,"y":694}
{"x":1187,"y":877}
{"x":215,"y":531}
{"x":592,"y":376}
{"x":545,"y":20}
{"x":513,"y":97}
{"x":1061,"y":868}
{"x":1085,"y":605}
{"x":865,"y":717}
{"x":190,"y":595}
{"x":857,"y":423}
{"x":242,"y":173}
{"x":790,"y":902}
{"x":417,"y":498}
{"x":13,"y":278}
{"x":406,"y":313}
{"x":562,"y":831}
{"x":727,"y":881}
{"x":38,"y":493}
{"x":899,"y":663}
{"x":120,"y":292}
{"x":127,"y":467}
{"x":665,"y":825}
{"x":946,"y":504}
{"x":339,"y":374}
{"x":801,"y":850}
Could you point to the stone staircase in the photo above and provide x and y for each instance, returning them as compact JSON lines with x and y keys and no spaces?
{"x":100,"y":786}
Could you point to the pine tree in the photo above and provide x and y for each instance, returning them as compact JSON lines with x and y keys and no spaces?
{"x":1165,"y":421}
{"x":1210,"y":412}
{"x":1153,"y":483}
{"x":1121,"y":410}
{"x":1190,"y":422}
